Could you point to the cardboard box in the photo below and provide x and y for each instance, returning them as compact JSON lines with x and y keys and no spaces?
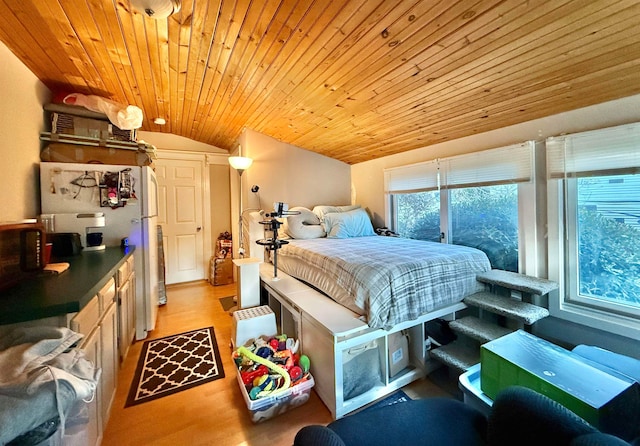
{"x":72,"y":153}
{"x":222,"y":271}
{"x":64,"y":123}
{"x":609,"y":401}
{"x":398,"y":352}
{"x":224,"y":249}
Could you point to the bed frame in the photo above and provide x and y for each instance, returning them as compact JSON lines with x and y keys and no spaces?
{"x":327,"y":329}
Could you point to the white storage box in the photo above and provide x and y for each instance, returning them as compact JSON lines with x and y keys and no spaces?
{"x":268,"y":407}
{"x":251,"y":323}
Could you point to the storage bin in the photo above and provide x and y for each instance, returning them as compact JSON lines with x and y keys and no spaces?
{"x":268,"y":407}
{"x":251,"y":323}
{"x":360,"y":369}
{"x":77,"y":153}
{"x":64,"y":123}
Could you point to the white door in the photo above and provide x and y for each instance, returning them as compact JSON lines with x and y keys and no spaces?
{"x":180,"y":201}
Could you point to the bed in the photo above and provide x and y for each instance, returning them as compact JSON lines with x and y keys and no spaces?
{"x":388,"y":280}
{"x":343,"y":289}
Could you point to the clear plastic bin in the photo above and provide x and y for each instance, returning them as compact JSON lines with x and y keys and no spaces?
{"x":268,"y":407}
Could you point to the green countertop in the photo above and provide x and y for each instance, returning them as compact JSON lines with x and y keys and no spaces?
{"x":47,"y":295}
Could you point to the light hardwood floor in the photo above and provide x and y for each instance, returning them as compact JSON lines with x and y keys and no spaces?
{"x":213,"y":413}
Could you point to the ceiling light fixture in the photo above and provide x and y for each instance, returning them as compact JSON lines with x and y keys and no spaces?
{"x":157,"y":9}
{"x":159,"y":121}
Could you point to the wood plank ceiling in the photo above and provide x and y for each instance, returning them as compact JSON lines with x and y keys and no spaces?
{"x":353,"y":80}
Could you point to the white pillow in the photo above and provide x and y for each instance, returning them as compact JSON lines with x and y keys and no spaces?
{"x":355,"y":223}
{"x":305,"y":225}
{"x":321,"y":211}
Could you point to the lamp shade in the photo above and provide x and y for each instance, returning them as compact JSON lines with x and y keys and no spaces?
{"x":240,"y":162}
{"x":157,"y":9}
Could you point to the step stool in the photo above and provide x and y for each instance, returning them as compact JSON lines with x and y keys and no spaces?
{"x":251,"y":323}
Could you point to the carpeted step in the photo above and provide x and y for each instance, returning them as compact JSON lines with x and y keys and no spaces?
{"x":518,"y":282}
{"x":508,"y":307}
{"x":457,"y":356}
{"x":478,"y":329}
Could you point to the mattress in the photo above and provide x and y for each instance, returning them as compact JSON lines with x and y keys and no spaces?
{"x":388,"y":280}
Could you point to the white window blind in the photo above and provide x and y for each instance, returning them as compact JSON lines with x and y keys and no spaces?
{"x":413,"y":178}
{"x":510,"y":164}
{"x":597,"y":152}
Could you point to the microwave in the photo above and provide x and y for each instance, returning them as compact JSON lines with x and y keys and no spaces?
{"x":21,"y":251}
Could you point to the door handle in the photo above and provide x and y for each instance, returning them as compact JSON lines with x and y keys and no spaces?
{"x":199,"y":228}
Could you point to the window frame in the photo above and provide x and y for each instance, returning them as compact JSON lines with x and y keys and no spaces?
{"x":562,"y":305}
{"x":531,"y":216}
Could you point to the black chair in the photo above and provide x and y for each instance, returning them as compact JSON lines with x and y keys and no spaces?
{"x":519,"y":416}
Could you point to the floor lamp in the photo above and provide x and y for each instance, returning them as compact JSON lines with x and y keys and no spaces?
{"x":240,"y":163}
{"x":248,"y":273}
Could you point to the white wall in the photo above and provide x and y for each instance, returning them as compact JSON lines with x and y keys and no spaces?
{"x":175,"y":142}
{"x":368,"y":178}
{"x":21,"y":121}
{"x":292,"y":175}
{"x":220,"y":199}
{"x":288,"y":174}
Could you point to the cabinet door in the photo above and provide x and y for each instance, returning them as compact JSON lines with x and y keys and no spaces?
{"x":126,"y":315}
{"x":109,"y":359}
{"x":131,"y":304}
{"x":88,"y":433}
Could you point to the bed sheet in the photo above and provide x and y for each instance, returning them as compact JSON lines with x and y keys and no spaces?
{"x":387,"y":279}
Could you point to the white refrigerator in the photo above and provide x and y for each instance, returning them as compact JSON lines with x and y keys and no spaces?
{"x":128,"y":197}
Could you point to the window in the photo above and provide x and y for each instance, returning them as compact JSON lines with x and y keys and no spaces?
{"x":418,"y":215}
{"x":594,"y":223}
{"x":607,"y":235}
{"x":471,"y":200}
{"x":487,"y":218}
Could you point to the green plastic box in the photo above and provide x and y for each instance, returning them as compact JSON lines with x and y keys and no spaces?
{"x":609,"y":401}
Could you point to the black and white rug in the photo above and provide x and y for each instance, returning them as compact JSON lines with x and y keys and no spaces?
{"x":175,"y":363}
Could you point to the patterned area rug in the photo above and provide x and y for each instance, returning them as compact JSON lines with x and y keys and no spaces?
{"x":174,"y":363}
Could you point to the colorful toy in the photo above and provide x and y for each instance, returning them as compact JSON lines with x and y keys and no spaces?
{"x":249,"y":376}
{"x":271,"y":366}
{"x":305,"y":363}
{"x":268,"y":366}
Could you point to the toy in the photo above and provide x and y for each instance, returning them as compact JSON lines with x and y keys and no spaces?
{"x":271,"y":366}
{"x":305,"y":363}
{"x":249,"y":376}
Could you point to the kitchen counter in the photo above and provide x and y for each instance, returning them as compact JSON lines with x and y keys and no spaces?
{"x":47,"y":294}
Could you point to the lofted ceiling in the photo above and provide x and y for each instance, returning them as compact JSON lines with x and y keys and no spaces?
{"x":353,"y":80}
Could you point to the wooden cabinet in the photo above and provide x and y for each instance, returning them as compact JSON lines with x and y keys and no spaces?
{"x":101,"y":284}
{"x":89,"y":433}
{"x":98,"y":321}
{"x":109,"y":360}
{"x":126,"y":316}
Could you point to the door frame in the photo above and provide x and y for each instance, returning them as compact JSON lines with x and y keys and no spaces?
{"x":205,"y":160}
